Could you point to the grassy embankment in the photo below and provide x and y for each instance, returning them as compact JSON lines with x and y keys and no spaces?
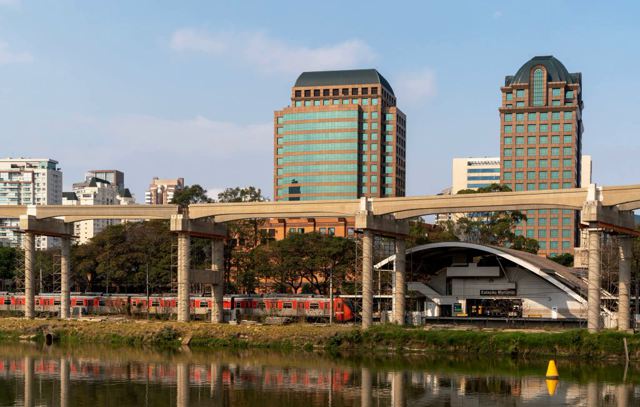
{"x":337,"y":338}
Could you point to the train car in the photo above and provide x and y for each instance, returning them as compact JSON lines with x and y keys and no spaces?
{"x":301,"y":307}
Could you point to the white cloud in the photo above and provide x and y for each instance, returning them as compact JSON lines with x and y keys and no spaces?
{"x":415,"y":87}
{"x":10,"y":57}
{"x":273,"y":55}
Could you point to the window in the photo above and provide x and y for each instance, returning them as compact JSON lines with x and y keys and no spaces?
{"x":555,"y":185}
{"x":507,"y":152}
{"x":555,"y":163}
{"x":519,"y":117}
{"x":531,"y":163}
{"x":520,"y":93}
{"x":531,"y":151}
{"x":519,"y":140}
{"x":374,"y":101}
{"x":507,"y":163}
{"x":519,"y":164}
{"x":567,"y":162}
{"x":509,"y":96}
{"x":508,"y":175}
{"x":298,"y":103}
{"x":531,"y":128}
{"x":554,"y":221}
{"x":544,"y":117}
{"x":544,"y":128}
{"x":566,"y":233}
{"x":508,"y":140}
{"x":567,"y":185}
{"x":531,"y":140}
{"x":519,"y":152}
{"x":531,"y":187}
{"x":567,"y":174}
{"x":569,"y":94}
{"x":530,"y":233}
{"x":538,"y":87}
{"x":555,"y":128}
{"x":519,"y":175}
{"x":555,"y":103}
{"x":555,"y":116}
{"x":567,"y":127}
{"x":519,"y":104}
{"x":542,"y":185}
{"x":543,"y":175}
{"x":567,"y":138}
{"x":507,"y":129}
{"x":556,"y":92}
{"x":567,"y":150}
{"x":519,"y":187}
{"x":520,"y":128}
{"x":542,"y":233}
{"x":531,"y":117}
{"x":544,"y":151}
{"x":544,"y":139}
{"x":374,"y":115}
{"x":555,"y":151}
{"x":555,"y":174}
{"x":555,"y":139}
{"x":531,"y":175}
{"x":568,"y":115}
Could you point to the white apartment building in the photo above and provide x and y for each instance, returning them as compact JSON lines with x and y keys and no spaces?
{"x":95,"y":191}
{"x":28,"y":181}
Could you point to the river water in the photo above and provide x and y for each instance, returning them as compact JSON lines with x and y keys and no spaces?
{"x":37,"y":375}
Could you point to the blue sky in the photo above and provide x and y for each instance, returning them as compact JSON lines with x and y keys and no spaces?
{"x":168,"y":89}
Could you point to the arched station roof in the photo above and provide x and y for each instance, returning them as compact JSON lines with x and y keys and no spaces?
{"x":559,"y":276}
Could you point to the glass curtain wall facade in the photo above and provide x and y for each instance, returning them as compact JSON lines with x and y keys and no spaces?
{"x":342,"y":138}
{"x":540,"y":145}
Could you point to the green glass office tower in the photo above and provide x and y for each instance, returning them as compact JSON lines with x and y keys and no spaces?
{"x":342,"y":138}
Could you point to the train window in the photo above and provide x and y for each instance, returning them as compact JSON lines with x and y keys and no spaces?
{"x":203,"y":304}
{"x":7,"y":301}
{"x":56,"y":302}
{"x":314,"y":305}
{"x":287,"y":305}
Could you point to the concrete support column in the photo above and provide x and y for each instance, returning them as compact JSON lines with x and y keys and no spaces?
{"x":624,"y":282}
{"x":217,"y":266}
{"x":184,"y":264}
{"x":29,"y":244}
{"x":367,"y":279}
{"x":594,"y":283}
{"x":397,"y":389}
{"x":182,"y":385}
{"x":65,"y":277}
{"x":64,"y":383}
{"x":400,"y":287}
{"x":28,"y":381}
{"x":366,"y":388}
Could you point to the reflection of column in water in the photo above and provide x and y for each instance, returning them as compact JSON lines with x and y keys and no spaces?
{"x":28,"y":381}
{"x":216,"y":391}
{"x":622,"y":395}
{"x":592,"y":395}
{"x":397,"y":389}
{"x":365,"y":388}
{"x":182,"y":384}
{"x":64,"y":382}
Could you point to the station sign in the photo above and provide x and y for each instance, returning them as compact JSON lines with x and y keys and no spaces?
{"x":505,"y":292}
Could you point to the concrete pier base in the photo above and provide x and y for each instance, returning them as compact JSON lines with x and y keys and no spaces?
{"x":65,"y":277}
{"x":400,"y":286}
{"x":624,"y":282}
{"x":217,"y":267}
{"x":367,"y":279}
{"x":184,"y":263}
{"x":594,"y":281}
{"x":29,"y":245}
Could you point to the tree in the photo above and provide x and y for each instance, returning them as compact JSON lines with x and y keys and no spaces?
{"x":421,"y":232}
{"x":495,"y":228}
{"x":8,"y":259}
{"x":566,"y":259}
{"x":190,"y":195}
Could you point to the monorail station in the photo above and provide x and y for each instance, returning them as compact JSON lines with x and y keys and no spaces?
{"x":452,"y":280}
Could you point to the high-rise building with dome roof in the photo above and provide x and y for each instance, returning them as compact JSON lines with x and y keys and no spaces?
{"x":541,"y":145}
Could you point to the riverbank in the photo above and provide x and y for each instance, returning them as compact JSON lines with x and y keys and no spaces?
{"x":336,"y":338}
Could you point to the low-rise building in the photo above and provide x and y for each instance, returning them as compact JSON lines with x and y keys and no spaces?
{"x":161,"y":191}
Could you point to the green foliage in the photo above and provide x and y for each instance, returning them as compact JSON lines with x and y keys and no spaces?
{"x":190,"y":195}
{"x":422,"y":233}
{"x":305,"y":258}
{"x":495,"y":228}
{"x":566,"y":259}
{"x":8,"y":258}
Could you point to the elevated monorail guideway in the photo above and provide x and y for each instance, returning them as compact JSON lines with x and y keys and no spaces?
{"x":603,"y":210}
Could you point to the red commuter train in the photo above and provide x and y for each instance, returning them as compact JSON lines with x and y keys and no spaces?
{"x":301,"y":307}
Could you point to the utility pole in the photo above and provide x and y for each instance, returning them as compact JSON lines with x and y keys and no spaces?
{"x":331,"y":296}
{"x":147,"y":289}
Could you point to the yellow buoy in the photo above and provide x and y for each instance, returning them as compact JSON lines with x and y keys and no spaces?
{"x":552,"y":370}
{"x":552,"y":385}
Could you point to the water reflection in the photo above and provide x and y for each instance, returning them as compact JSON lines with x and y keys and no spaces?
{"x":32,"y":376}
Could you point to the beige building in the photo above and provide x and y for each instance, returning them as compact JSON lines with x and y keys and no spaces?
{"x":474,"y":173}
{"x":161,"y":191}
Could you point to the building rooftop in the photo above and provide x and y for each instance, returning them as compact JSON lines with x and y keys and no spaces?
{"x":556,"y":71}
{"x":346,"y":77}
{"x":70,"y":196}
